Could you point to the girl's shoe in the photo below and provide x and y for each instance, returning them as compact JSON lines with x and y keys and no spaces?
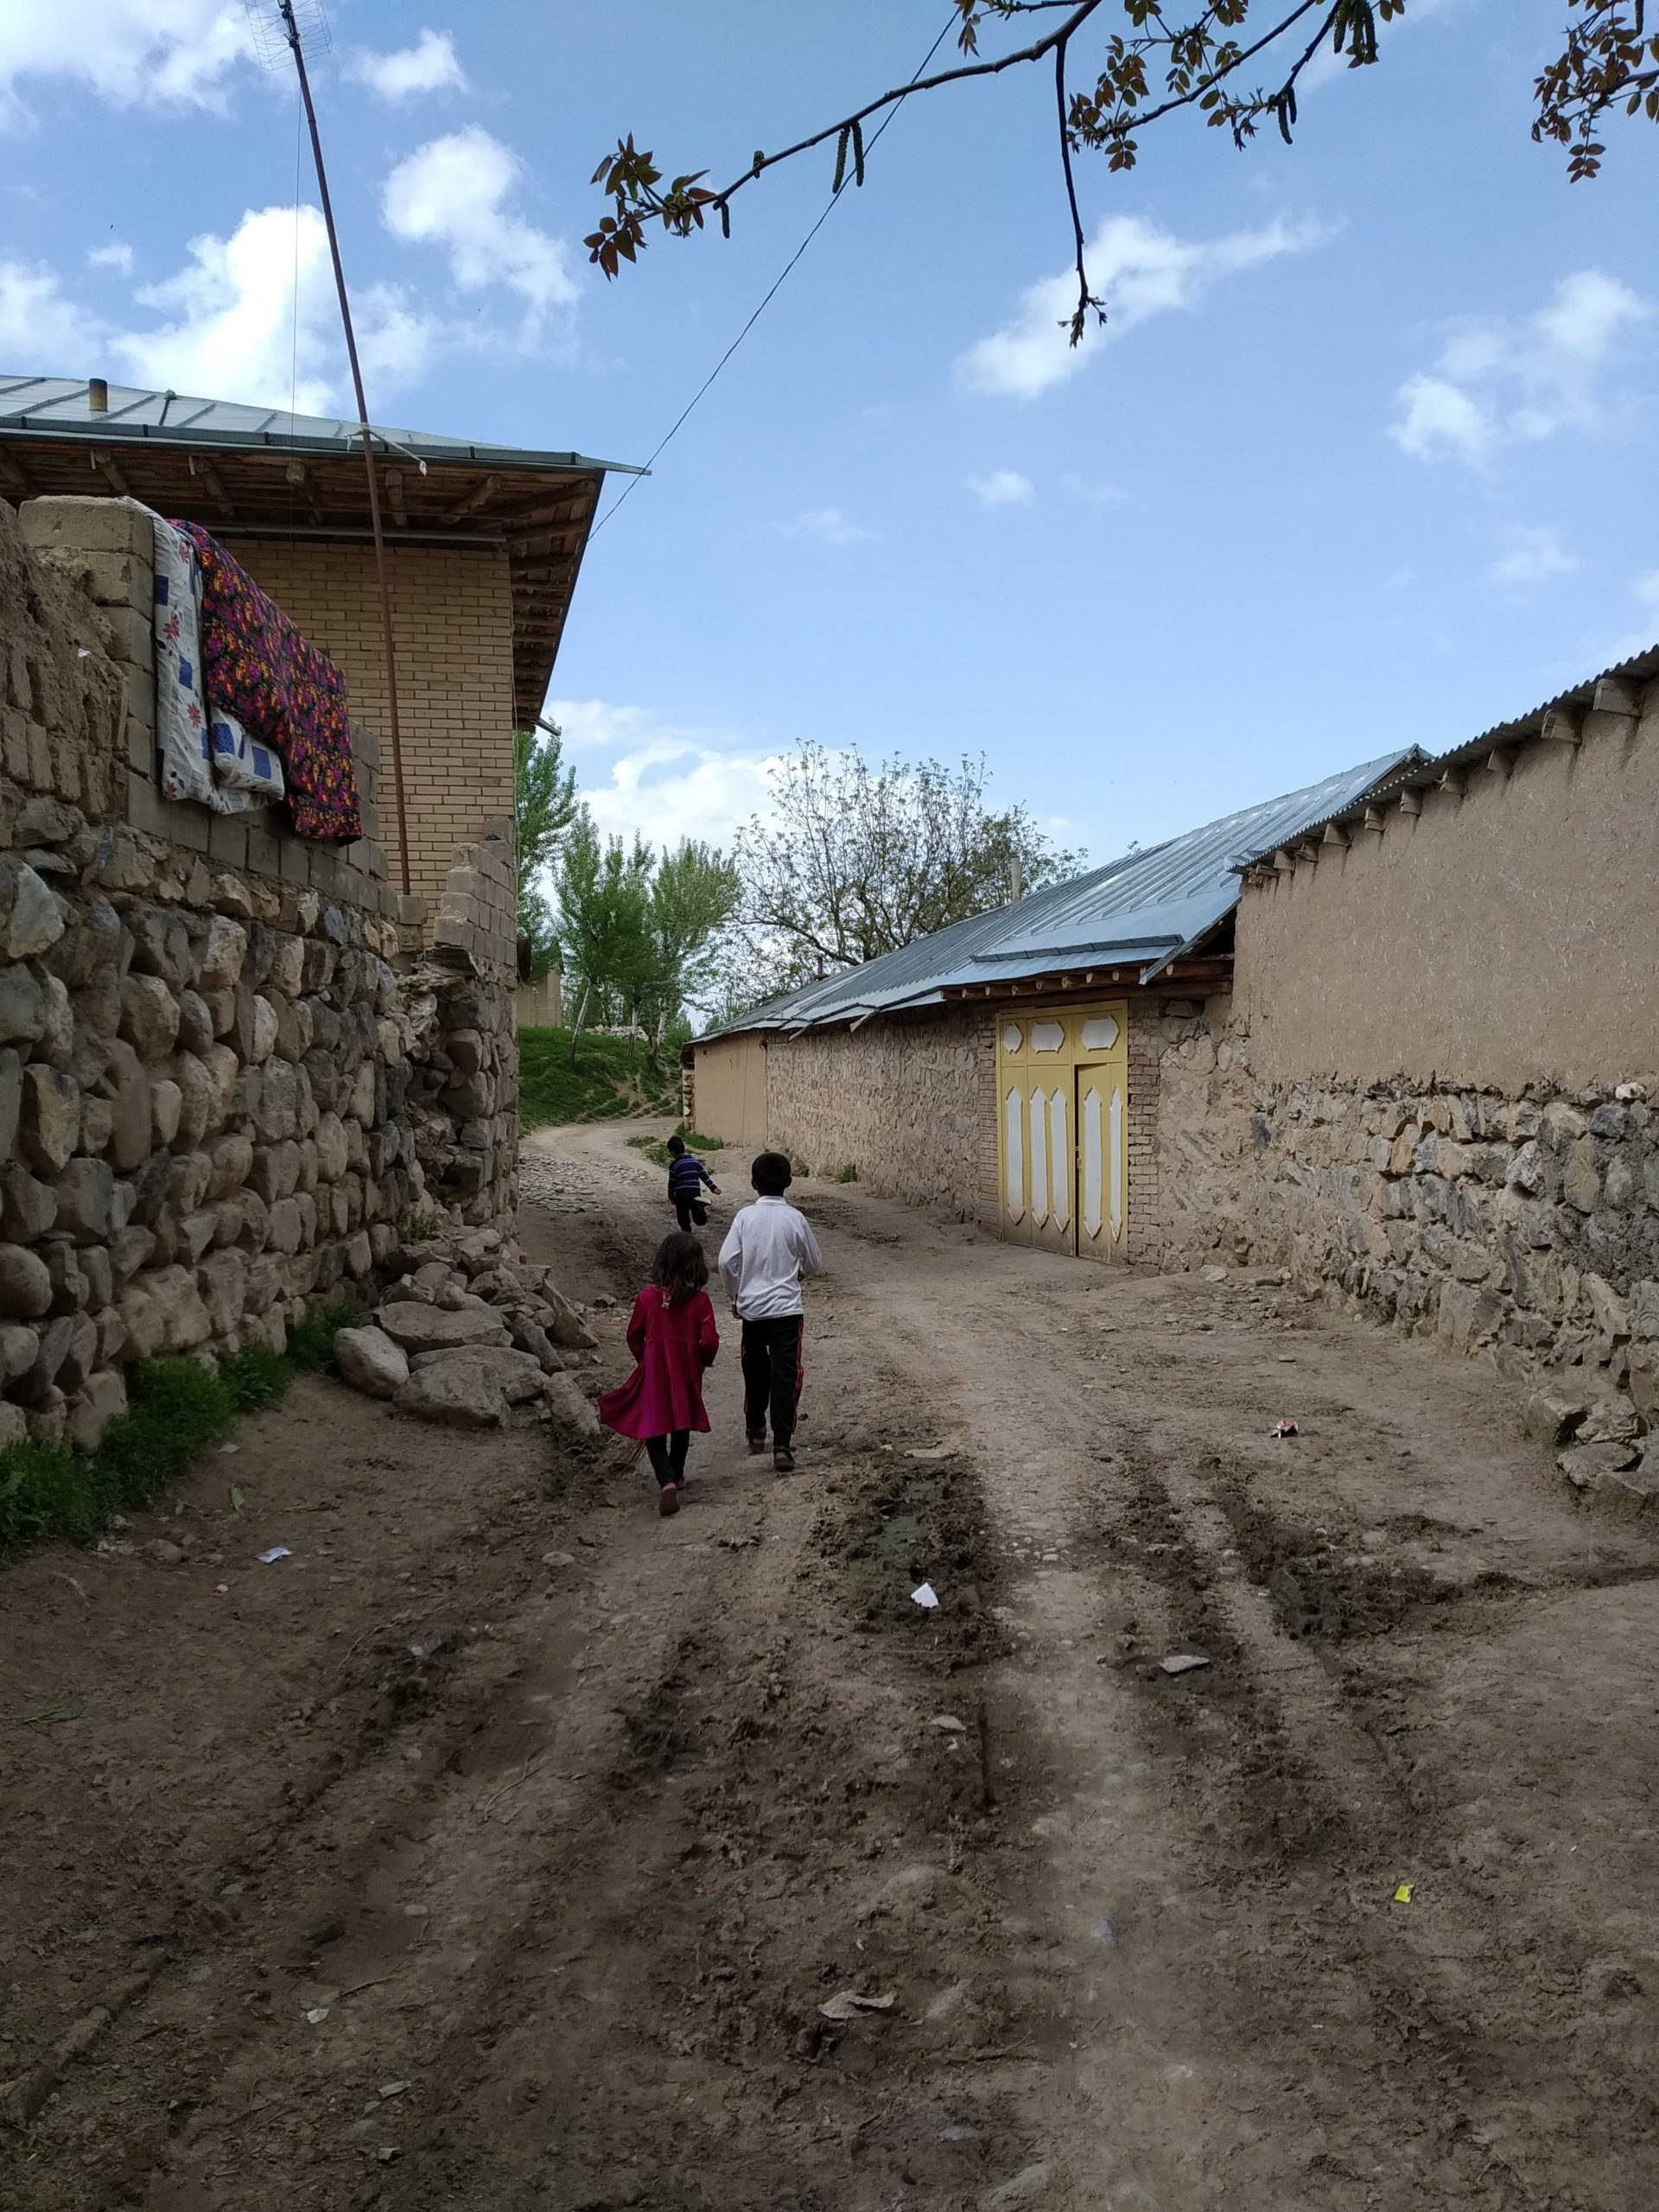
{"x":757,"y":1445}
{"x":668,"y":1500}
{"x":783,"y":1460}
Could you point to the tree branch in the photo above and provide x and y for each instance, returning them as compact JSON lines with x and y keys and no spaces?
{"x":1085,"y":297}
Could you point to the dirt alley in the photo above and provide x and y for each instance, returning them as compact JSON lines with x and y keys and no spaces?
{"x":501,"y":1847}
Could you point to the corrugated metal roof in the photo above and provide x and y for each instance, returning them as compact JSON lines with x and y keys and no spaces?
{"x":60,"y":407}
{"x":1138,"y":910}
{"x":1422,"y":770}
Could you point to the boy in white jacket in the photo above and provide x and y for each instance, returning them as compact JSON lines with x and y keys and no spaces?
{"x":769,"y":1251}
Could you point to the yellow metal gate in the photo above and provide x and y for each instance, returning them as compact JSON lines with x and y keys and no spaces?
{"x":1062,"y":1133}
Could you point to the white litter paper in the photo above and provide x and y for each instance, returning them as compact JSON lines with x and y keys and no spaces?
{"x":847,"y":2003}
{"x":1182,"y":1662}
{"x":926,"y":1597}
{"x":276,"y":1552}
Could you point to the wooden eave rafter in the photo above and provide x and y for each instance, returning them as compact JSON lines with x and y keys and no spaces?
{"x":537,"y":518}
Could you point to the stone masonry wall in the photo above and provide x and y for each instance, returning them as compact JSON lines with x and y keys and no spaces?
{"x":907,"y":1101}
{"x":219,"y":1097}
{"x":1521,"y":1225}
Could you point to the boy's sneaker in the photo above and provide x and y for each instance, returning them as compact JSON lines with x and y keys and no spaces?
{"x":757,"y":1445}
{"x":668,"y":1500}
{"x":783,"y":1460}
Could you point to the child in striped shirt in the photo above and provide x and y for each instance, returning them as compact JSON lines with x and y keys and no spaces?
{"x":686,"y":1177}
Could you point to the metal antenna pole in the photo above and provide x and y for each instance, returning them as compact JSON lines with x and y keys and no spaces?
{"x":291,"y":27}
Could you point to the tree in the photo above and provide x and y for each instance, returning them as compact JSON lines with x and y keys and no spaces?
{"x":1140,"y":75}
{"x":694,"y":895}
{"x":639,"y":931}
{"x":544,"y":807}
{"x":604,"y":899}
{"x":855,"y":861}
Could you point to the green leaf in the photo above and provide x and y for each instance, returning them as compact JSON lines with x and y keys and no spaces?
{"x":71,"y":1709}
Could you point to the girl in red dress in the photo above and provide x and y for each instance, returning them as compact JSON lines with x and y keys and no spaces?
{"x":672,"y":1334}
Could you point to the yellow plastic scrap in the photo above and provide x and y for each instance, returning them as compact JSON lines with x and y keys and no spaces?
{"x":1402,"y":1895}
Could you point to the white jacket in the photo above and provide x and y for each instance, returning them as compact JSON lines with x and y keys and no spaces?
{"x":769,"y":1250}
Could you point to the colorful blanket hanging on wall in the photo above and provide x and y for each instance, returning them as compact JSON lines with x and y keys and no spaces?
{"x":287,"y":696}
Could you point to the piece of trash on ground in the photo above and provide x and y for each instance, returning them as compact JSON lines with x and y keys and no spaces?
{"x":927,"y":1598}
{"x":71,"y":1709}
{"x":236,"y":1498}
{"x":277,"y":1551}
{"x":950,"y":1723}
{"x":1104,"y":1932}
{"x":317,"y":2015}
{"x":1402,"y":1894}
{"x":1285,"y":1429}
{"x":229,"y":1451}
{"x":393,"y":2088}
{"x":423,"y":1647}
{"x":1182,"y":1662}
{"x":849,"y":2004}
{"x":932,"y":1451}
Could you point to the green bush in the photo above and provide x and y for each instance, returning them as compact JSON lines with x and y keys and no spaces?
{"x":846,"y":1174}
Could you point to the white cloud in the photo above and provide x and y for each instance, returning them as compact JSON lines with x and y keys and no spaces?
{"x":118,"y":255}
{"x":663,"y":779}
{"x":455,"y":192}
{"x":233,"y":333}
{"x":1003,"y":487}
{"x":130,"y":53}
{"x":1140,"y":271}
{"x":40,"y":329}
{"x":1094,"y":490}
{"x":1438,"y":417}
{"x":1500,"y":382}
{"x":1534,"y":554}
{"x":831,"y":524}
{"x":428,"y":66}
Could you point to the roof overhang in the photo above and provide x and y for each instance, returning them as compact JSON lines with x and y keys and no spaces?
{"x":251,"y":472}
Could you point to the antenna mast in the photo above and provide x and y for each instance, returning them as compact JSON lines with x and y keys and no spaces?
{"x":291,"y":33}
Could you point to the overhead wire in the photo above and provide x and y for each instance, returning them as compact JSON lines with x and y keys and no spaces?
{"x":709,"y":382}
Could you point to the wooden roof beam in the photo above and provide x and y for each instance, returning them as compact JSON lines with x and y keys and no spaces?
{"x":201,"y":467}
{"x":109,"y":469}
{"x":394,"y":481}
{"x":479,"y":497}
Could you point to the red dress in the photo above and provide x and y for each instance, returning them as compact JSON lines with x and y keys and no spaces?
{"x":673,"y":1344}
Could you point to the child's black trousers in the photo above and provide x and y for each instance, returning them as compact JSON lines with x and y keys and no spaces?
{"x":771,"y":1376}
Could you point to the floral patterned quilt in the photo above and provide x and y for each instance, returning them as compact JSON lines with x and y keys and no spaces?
{"x":258,"y":667}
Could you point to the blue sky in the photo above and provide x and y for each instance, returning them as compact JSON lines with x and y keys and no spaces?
{"x":1367,"y":457}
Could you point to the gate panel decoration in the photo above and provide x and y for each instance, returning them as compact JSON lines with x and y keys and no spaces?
{"x":1062,"y":1086}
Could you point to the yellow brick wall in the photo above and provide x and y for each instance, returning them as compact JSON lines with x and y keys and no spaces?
{"x":452,"y":628}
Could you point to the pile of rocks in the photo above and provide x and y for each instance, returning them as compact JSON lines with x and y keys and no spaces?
{"x":467,"y":1330}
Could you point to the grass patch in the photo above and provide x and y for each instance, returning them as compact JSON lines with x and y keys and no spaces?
{"x":176,"y":1408}
{"x":613,"y":1077}
{"x":311,"y":1340}
{"x":656,"y":1148}
{"x":846,"y":1174}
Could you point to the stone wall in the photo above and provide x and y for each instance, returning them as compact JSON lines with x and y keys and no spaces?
{"x":222,"y":1087}
{"x":908,"y":1101}
{"x":1522,"y":1225}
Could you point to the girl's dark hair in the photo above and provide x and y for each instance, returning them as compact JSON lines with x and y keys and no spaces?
{"x":680,"y":1266}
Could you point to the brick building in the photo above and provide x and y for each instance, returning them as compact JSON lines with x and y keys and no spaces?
{"x":484,"y":547}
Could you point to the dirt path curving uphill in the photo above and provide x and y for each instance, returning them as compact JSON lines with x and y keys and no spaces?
{"x":501,"y":1849}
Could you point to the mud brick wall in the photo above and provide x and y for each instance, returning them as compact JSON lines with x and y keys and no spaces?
{"x":906,"y":1100}
{"x":452,"y":631}
{"x":222,"y":1086}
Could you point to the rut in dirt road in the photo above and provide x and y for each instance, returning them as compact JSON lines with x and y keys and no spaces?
{"x":509,"y":1853}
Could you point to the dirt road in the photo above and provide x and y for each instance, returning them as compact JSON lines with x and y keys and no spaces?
{"x":502,"y":1847}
